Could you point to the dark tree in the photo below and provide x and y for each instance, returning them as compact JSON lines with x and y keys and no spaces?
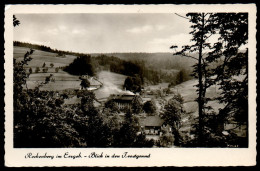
{"x":98,"y":133}
{"x":30,"y":70}
{"x":232,"y":29}
{"x":31,"y":51}
{"x":47,"y":79}
{"x":56,"y":69}
{"x":166,"y":139}
{"x":45,"y":70}
{"x":232,"y":74}
{"x":172,"y":115}
{"x":37,"y":69}
{"x":137,"y":105}
{"x":128,"y":84}
{"x":202,"y":30}
{"x":84,"y":83}
{"x":133,"y":84}
{"x":127,"y":134}
{"x":141,"y":141}
{"x":149,"y":107}
{"x":51,"y":65}
{"x":180,"y":77}
{"x":87,"y":102}
{"x":110,"y":104}
{"x":81,"y":66}
{"x":16,"y":22}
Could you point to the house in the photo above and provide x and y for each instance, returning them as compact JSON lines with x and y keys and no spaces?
{"x":124,"y":100}
{"x":152,"y":126}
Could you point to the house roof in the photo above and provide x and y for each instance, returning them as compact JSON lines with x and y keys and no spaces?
{"x":123,"y":97}
{"x":151,"y":121}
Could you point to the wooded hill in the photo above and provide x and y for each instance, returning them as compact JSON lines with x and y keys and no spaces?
{"x":152,"y":68}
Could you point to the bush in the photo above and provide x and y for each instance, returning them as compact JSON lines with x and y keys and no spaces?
{"x":45,"y":70}
{"x":30,"y":70}
{"x":149,"y":107}
{"x":51,"y":65}
{"x":37,"y":69}
{"x":110,"y":104}
{"x":173,"y":112}
{"x":133,"y":84}
{"x":56,"y":69}
{"x":166,"y":139}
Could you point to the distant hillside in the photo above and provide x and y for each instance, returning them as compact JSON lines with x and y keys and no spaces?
{"x":155,"y":60}
{"x":159,"y":66}
{"x":151,"y":67}
{"x":45,"y":48}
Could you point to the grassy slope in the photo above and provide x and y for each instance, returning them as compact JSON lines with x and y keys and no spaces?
{"x":188,"y":91}
{"x":112,"y":84}
{"x":39,"y":57}
{"x":63,"y":80}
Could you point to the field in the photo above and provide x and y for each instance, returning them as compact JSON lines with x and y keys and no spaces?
{"x":188,"y":92}
{"x":112,"y":82}
{"x":63,"y":80}
{"x":39,"y":57}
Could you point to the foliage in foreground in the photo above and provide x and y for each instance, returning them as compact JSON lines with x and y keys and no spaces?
{"x":172,"y":115}
{"x":41,"y":119}
{"x":232,"y":32}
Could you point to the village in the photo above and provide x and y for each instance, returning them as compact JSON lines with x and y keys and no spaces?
{"x":151,"y":122}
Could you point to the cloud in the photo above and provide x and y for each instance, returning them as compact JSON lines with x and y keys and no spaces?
{"x":146,"y":28}
{"x":78,"y":31}
{"x":177,"y":40}
{"x":140,"y":29}
{"x":52,"y":31}
{"x":160,"y":27}
{"x":102,"y":32}
{"x":62,"y":28}
{"x":75,"y":31}
{"x":57,"y":30}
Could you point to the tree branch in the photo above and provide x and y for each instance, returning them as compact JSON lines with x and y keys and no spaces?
{"x":181,"y":16}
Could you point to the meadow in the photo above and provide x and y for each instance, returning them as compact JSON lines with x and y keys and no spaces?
{"x":112,"y":82}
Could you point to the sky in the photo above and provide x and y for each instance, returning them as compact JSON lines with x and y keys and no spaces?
{"x":104,"y":33}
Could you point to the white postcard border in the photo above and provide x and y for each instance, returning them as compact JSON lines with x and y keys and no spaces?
{"x":15,"y":157}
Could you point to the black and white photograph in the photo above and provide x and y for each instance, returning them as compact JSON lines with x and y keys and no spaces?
{"x":171,"y":80}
